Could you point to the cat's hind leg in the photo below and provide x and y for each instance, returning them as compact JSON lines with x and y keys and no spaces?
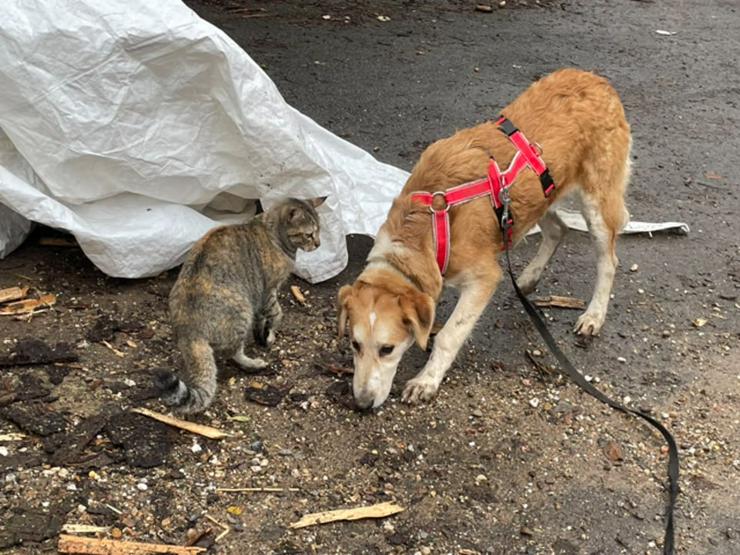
{"x":246,"y":362}
{"x":267,"y":321}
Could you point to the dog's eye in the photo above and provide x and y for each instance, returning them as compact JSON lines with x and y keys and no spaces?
{"x":356,"y":346}
{"x":385,"y":350}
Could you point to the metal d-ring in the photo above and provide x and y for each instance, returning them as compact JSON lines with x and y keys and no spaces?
{"x":442,"y":194}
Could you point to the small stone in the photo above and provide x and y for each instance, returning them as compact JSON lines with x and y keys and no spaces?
{"x":699,"y":322}
{"x":3,"y":451}
{"x":116,"y":533}
{"x":634,"y":268}
{"x":195,"y":447}
{"x":534,"y":402}
{"x":536,"y":353}
{"x":502,"y":4}
{"x":627,"y":399}
{"x":666,"y":333}
{"x":141,"y":486}
{"x":425,"y":550}
{"x":483,"y":8}
{"x":326,"y":17}
{"x":641,"y":291}
{"x":526,"y":531}
{"x":621,"y":359}
{"x":613,"y":452}
{"x":477,"y":413}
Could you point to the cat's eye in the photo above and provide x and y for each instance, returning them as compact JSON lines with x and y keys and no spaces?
{"x":385,"y":350}
{"x":356,"y":346}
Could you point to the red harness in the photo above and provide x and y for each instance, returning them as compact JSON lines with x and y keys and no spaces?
{"x":496,"y":184}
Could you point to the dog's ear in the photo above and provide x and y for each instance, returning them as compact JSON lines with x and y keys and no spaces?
{"x":342,"y":300}
{"x":418,"y":315}
{"x":316,"y":202}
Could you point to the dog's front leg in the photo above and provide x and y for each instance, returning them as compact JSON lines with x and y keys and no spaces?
{"x":474,"y":297}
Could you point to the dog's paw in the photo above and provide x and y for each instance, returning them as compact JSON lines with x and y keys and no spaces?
{"x":527,"y":282}
{"x":419,"y":389}
{"x":589,"y":323}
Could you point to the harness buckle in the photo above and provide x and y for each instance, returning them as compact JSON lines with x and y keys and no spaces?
{"x":443,"y":195}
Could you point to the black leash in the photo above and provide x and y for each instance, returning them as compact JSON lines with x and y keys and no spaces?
{"x":577,"y":377}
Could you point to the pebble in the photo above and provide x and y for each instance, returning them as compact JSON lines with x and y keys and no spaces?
{"x":4,"y":451}
{"x":634,"y":268}
{"x":141,"y":486}
{"x":195,"y":447}
{"x":534,"y":402}
{"x":621,"y":359}
{"x":477,"y":413}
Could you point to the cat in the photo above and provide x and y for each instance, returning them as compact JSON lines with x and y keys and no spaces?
{"x":227,"y":290}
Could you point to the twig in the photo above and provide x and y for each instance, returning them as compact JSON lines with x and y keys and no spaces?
{"x":258,"y":490}
{"x":84,"y":529}
{"x":94,"y":546}
{"x":112,"y":508}
{"x":373,"y":511}
{"x":192,"y":427}
{"x":112,"y":348}
{"x":226,"y":529}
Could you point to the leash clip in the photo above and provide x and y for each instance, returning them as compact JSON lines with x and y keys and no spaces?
{"x":505,"y":202}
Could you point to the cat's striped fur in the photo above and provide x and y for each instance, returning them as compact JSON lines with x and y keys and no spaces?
{"x":227,"y":292}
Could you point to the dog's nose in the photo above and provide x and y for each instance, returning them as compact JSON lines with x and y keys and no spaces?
{"x":363,"y":400}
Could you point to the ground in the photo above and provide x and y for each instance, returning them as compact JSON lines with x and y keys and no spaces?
{"x":509,"y":458}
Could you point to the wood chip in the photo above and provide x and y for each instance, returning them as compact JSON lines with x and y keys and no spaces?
{"x":84,"y":529}
{"x":112,"y":348}
{"x":192,"y":427}
{"x":373,"y":511}
{"x":57,"y":242}
{"x":298,"y":294}
{"x":13,"y":294}
{"x":559,"y":302}
{"x":257,"y":490}
{"x":28,"y":305}
{"x":94,"y":546}
{"x":13,"y":436}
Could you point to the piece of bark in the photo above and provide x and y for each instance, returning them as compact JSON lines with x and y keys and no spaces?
{"x":13,"y":294}
{"x":200,"y":429}
{"x":28,"y":305}
{"x":57,"y":242}
{"x":94,"y":546}
{"x":373,"y":511}
{"x":31,"y":351}
{"x":298,"y":294}
{"x":559,"y":302}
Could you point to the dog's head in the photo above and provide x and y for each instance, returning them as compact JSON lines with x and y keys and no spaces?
{"x":384,"y":321}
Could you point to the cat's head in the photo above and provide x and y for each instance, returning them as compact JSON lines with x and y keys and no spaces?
{"x":300,"y":223}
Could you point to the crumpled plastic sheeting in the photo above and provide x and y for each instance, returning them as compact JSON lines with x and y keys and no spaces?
{"x":137,"y":126}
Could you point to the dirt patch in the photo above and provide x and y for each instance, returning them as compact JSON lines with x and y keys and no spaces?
{"x":508,"y":458}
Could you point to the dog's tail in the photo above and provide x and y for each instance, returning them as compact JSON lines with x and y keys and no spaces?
{"x":196,"y":393}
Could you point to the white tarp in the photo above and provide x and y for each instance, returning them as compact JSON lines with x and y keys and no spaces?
{"x":124,"y":119}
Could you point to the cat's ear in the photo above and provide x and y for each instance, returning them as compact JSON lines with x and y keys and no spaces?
{"x":316,"y":202}
{"x":342,"y":301}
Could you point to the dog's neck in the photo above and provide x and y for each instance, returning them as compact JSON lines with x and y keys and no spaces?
{"x":415,"y":266}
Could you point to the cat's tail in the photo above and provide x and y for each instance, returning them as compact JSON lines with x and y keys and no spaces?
{"x":196,"y":393}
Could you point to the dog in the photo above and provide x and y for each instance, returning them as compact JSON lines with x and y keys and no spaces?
{"x":578,"y":122}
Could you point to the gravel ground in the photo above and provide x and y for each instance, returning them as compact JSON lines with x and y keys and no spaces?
{"x":509,"y":458}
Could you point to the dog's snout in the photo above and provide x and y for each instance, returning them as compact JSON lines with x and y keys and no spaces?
{"x":364,"y":400}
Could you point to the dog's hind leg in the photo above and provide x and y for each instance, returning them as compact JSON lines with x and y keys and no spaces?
{"x":553,"y":231}
{"x":606,"y":215}
{"x":474,"y":298}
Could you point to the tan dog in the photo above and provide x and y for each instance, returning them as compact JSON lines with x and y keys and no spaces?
{"x":579,"y":122}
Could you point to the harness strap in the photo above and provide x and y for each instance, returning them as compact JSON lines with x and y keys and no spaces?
{"x":526,"y":156}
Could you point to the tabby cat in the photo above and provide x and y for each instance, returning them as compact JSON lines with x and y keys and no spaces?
{"x":227,"y":290}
